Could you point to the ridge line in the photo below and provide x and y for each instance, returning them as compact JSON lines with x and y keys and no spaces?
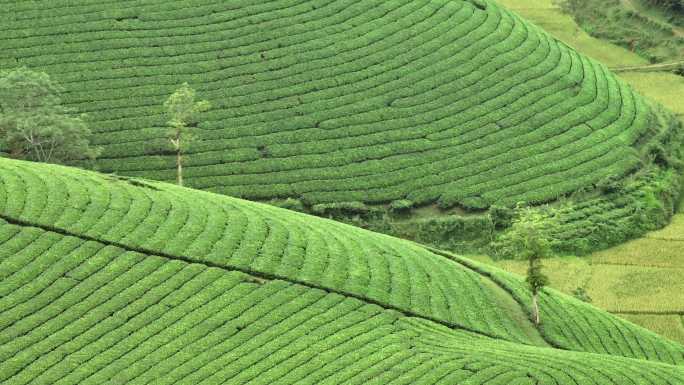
{"x":256,"y":274}
{"x":454,"y":258}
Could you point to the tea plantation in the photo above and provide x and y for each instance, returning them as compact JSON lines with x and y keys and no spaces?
{"x":112,"y":280}
{"x":455,"y":102}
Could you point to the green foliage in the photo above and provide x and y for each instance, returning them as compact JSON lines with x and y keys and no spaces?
{"x":34,"y":124}
{"x":339,"y":208}
{"x":643,"y":203}
{"x":568,"y":321}
{"x":620,"y":23}
{"x":452,"y":232}
{"x":100,"y":272}
{"x":529,"y":238}
{"x":640,"y":276}
{"x":477,"y":108}
{"x":535,"y":279}
{"x":502,"y":217}
{"x":182,"y":111}
{"x":620,"y":210}
{"x":401,"y":206}
{"x":530,"y":235}
{"x":255,"y":238}
{"x":611,"y":184}
{"x":481,"y":110}
{"x":289,"y":203}
{"x":672,"y":5}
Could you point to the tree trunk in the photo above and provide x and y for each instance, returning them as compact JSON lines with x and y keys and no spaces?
{"x":179,"y":165}
{"x":535,"y":308}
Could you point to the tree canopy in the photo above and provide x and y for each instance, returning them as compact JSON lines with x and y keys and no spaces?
{"x":182,"y":110}
{"x":34,"y":125}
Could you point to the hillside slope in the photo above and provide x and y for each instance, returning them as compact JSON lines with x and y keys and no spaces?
{"x":640,"y":280}
{"x":616,"y":278}
{"x":108,"y":279}
{"x":456,"y":102}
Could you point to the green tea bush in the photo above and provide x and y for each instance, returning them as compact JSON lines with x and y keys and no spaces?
{"x":454,"y":231}
{"x":341,"y":209}
{"x":109,"y":279}
{"x":459,"y":103}
{"x":613,"y":20}
{"x":290,"y":204}
{"x":502,"y":217}
{"x":401,"y":206}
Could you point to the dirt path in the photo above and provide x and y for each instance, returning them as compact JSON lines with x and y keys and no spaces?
{"x":651,"y":67}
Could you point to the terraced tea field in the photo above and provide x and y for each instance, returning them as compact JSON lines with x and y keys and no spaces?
{"x":639,"y":280}
{"x":106,"y":279}
{"x":441,"y":108}
{"x":454,"y":102}
{"x":663,"y":87}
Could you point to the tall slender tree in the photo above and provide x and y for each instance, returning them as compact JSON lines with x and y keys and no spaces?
{"x":529,"y":237}
{"x":182,"y":111}
{"x":536,"y":280}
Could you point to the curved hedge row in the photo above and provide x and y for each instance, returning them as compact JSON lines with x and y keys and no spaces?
{"x":455,"y":101}
{"x":99,"y":274}
{"x":253,"y":238}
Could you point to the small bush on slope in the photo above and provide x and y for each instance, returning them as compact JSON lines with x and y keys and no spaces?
{"x":111,"y":279}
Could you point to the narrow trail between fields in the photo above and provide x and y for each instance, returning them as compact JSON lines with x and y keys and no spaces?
{"x":651,"y":67}
{"x":646,"y":312}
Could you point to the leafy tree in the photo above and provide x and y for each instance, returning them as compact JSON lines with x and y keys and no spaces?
{"x":530,"y":238}
{"x":33,"y":123}
{"x":182,"y":111}
{"x":536,"y":280}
